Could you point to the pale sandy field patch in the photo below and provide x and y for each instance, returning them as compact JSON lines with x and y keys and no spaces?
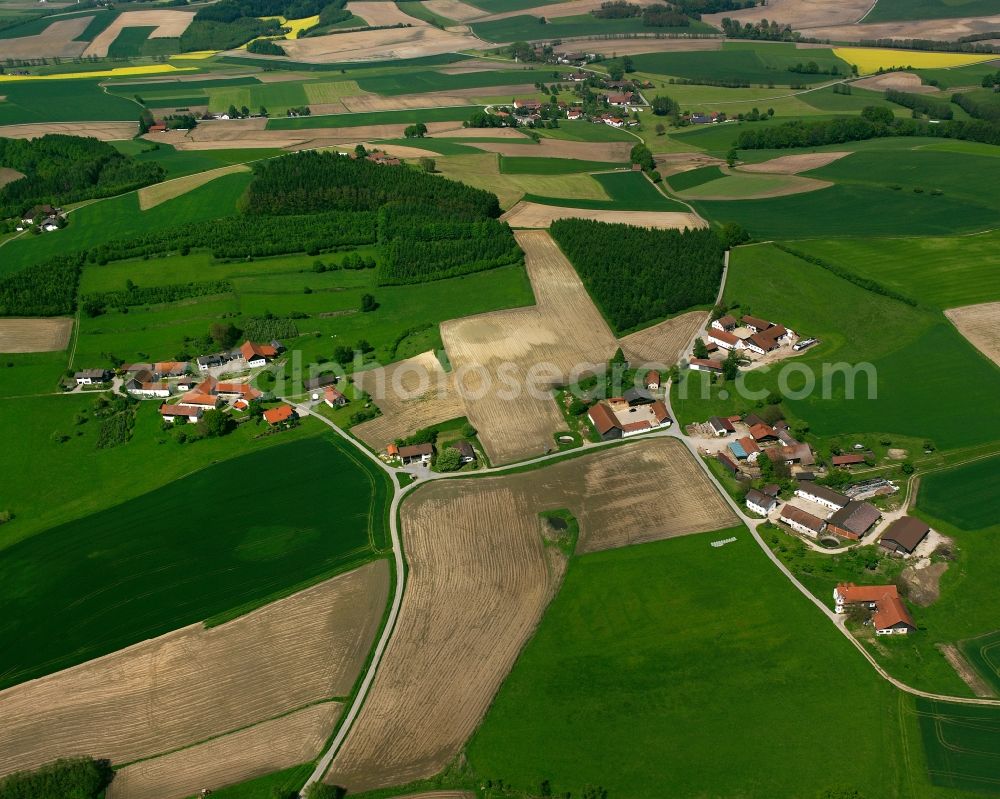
{"x":413,"y":42}
{"x":569,"y":9}
{"x":563,"y":332}
{"x":536,"y":215}
{"x":270,"y":746}
{"x":937,"y":29}
{"x":636,"y":46}
{"x":793,"y":164}
{"x":194,"y":683}
{"x":169,"y":24}
{"x":665,"y":342}
{"x":8,"y":175}
{"x":472,"y":64}
{"x":481,"y":133}
{"x":611,"y":151}
{"x":151,"y":196}
{"x":105,"y":131}
{"x":980,"y":324}
{"x":454,"y":9}
{"x":412,"y":394}
{"x":50,"y":334}
{"x":901,"y":81}
{"x":479,"y":582}
{"x":799,"y":13}
{"x":56,"y":41}
{"x":378,"y":12}
{"x":455,"y":97}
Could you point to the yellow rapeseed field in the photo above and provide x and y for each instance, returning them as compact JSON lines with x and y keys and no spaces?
{"x":199,"y":55}
{"x":296,"y":25}
{"x":117,"y":72}
{"x":871,"y":59}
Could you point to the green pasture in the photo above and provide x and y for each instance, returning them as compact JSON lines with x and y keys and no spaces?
{"x":965,"y":496}
{"x":26,"y":373}
{"x":402,"y":117}
{"x":764,"y":63}
{"x":62,"y":101}
{"x":129,"y":42}
{"x":135,"y":570}
{"x":187,"y":162}
{"x":962,"y":745}
{"x":278,"y":783}
{"x":917,"y":356}
{"x":500,"y":6}
{"x":628,"y":191}
{"x":893,"y":10}
{"x":956,"y":77}
{"x":651,"y":657}
{"x":527,"y":27}
{"x":983,"y":652}
{"x":585,"y":131}
{"x":683,"y":181}
{"x":944,"y":272}
{"x":400,"y":83}
{"x":826,"y":101}
{"x":525,"y":165}
{"x":439,"y":146}
{"x":118,"y":217}
{"x":742,"y":185}
{"x":418,"y":10}
{"x":343,"y":66}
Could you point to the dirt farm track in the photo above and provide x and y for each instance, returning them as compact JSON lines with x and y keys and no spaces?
{"x":479,"y":580}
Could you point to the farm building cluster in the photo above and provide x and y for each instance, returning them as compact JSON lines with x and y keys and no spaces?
{"x":637,"y":411}
{"x":890,"y":616}
{"x":750,"y":337}
{"x":43,"y":219}
{"x":423,"y":454}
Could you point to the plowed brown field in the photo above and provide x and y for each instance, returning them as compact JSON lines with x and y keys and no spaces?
{"x":58,"y":40}
{"x":380,"y":45}
{"x":793,"y":164}
{"x":479,"y":581}
{"x":536,"y":215}
{"x":168,"y":23}
{"x":663,"y":343}
{"x":980,"y":324}
{"x":195,"y":683}
{"x":35,"y":335}
{"x":105,"y":131}
{"x":267,"y":747}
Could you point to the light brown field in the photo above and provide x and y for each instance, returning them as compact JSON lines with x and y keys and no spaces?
{"x":268,"y":747}
{"x":151,"y":196}
{"x":56,"y":41}
{"x":635,"y":46}
{"x":939,"y":29}
{"x":168,"y":23}
{"x":793,"y":164}
{"x":536,"y":215}
{"x":105,"y":131}
{"x":791,"y":184}
{"x":497,"y":355}
{"x":195,"y":683}
{"x":901,"y":81}
{"x":480,"y":133}
{"x":568,"y":9}
{"x":454,"y":9}
{"x":800,"y":14}
{"x":374,"y":102}
{"x":479,"y":582}
{"x":663,"y":343}
{"x":378,"y":12}
{"x":472,"y":64}
{"x":412,"y":394}
{"x":557,"y":148}
{"x":379,"y":45}
{"x":980,"y":324}
{"x":8,"y":175}
{"x":35,"y":335}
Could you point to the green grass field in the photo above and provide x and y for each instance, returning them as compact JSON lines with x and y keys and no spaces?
{"x":585,"y":131}
{"x":214,"y":541}
{"x":439,"y":146}
{"x":62,"y":101}
{"x":287,"y":782}
{"x":966,"y":496}
{"x":418,"y":10}
{"x":892,"y":10}
{"x":917,"y":356}
{"x":499,"y":6}
{"x":403,"y":117}
{"x":525,"y":165}
{"x":629,"y":191}
{"x":694,"y":177}
{"x":983,"y":652}
{"x":944,"y":272}
{"x":962,"y":745}
{"x":525,"y":27}
{"x":177,"y":163}
{"x":678,"y":667}
{"x":400,"y":83}
{"x":756,"y":62}
{"x":129,"y":43}
{"x":742,"y":185}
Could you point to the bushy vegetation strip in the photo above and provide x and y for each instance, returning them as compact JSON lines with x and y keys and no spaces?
{"x":637,"y":275}
{"x":48,"y":289}
{"x":96,"y":303}
{"x":920,"y":104}
{"x":72,"y":778}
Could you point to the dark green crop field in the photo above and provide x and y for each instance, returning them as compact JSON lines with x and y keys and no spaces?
{"x":983,"y":652}
{"x":228,"y":537}
{"x":129,"y":43}
{"x":62,"y":101}
{"x":892,"y":10}
{"x":629,"y":191}
{"x":526,"y":165}
{"x":527,"y":27}
{"x":962,"y":744}
{"x":433,"y":81}
{"x":694,"y":177}
{"x":966,"y":496}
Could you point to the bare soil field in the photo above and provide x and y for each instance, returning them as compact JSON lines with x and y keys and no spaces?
{"x":793,"y":164}
{"x":568,"y":9}
{"x":938,"y":29}
{"x":35,"y":335}
{"x":964,"y":670}
{"x":791,"y":184}
{"x":377,"y":13}
{"x":169,"y":24}
{"x":56,"y":41}
{"x":374,"y":102}
{"x":481,"y":133}
{"x":980,"y":324}
{"x":195,"y":683}
{"x":557,"y":148}
{"x":479,"y":581}
{"x":151,"y":196}
{"x":268,"y":747}
{"x":105,"y":131}
{"x":505,"y":361}
{"x":535,"y":215}
{"x":454,"y":9}
{"x":379,"y":45}
{"x":800,"y":14}
{"x":901,"y":81}
{"x":412,"y":394}
{"x":646,"y":45}
{"x":663,"y":343}
{"x":8,"y":175}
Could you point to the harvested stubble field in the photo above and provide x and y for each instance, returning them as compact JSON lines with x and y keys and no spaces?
{"x":665,"y":342}
{"x":195,"y":683}
{"x":35,"y":335}
{"x":571,"y":8}
{"x":381,"y":45}
{"x":496,"y":355}
{"x":479,"y":580}
{"x":939,"y":29}
{"x":105,"y":131}
{"x":169,"y":189}
{"x":536,"y":215}
{"x":265,"y":748}
{"x":901,"y":81}
{"x":608,"y":152}
{"x":454,"y":9}
{"x":753,"y":186}
{"x":8,"y":175}
{"x":793,"y":164}
{"x":412,"y":394}
{"x":58,"y":40}
{"x":980,"y":324}
{"x":168,"y":23}
{"x":363,"y":102}
{"x":639,"y":46}
{"x":377,"y":13}
{"x":800,"y":14}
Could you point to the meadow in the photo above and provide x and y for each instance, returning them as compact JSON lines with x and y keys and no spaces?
{"x":209,"y":543}
{"x":628,"y":191}
{"x":694,"y":177}
{"x":525,"y":27}
{"x":961,"y":745}
{"x":635,"y":664}
{"x":401,"y":83}
{"x":402,"y":117}
{"x":965,"y":496}
{"x":917,"y":355}
{"x":177,"y":163}
{"x":892,"y":10}
{"x":62,"y":101}
{"x":945,"y":272}
{"x":525,"y":165}
{"x":585,"y":131}
{"x":983,"y":652}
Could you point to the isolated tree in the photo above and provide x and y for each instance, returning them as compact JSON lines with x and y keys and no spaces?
{"x":449,"y":460}
{"x":368,"y":303}
{"x":700,"y":349}
{"x":360,"y":151}
{"x":363,"y":346}
{"x":343,"y":354}
{"x":428,"y":164}
{"x":320,"y":790}
{"x":642,"y":155}
{"x":663,"y":105}
{"x":215,"y":423}
{"x":731,"y":366}
{"x":877,"y":114}
{"x":660,"y":128}
{"x":417,"y":131}
{"x":733,"y":234}
{"x":732,"y":157}
{"x":231,"y":112}
{"x":262,"y":111}
{"x":224,"y":334}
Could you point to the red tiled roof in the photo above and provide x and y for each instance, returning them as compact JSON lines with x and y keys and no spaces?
{"x":659,"y":410}
{"x":280,"y":414}
{"x":652,"y":377}
{"x":332,"y":395}
{"x":631,"y":427}
{"x":760,"y":324}
{"x":179,"y":410}
{"x":806,"y":519}
{"x":391,"y":450}
{"x":850,"y":592}
{"x":602,"y":417}
{"x":848,"y":459}
{"x":244,"y":390}
{"x":251,"y":351}
{"x":723,"y":335}
{"x":707,"y":363}
{"x":748,"y":444}
{"x":203,"y":400}
{"x":761,"y":431}
{"x":890,"y":613}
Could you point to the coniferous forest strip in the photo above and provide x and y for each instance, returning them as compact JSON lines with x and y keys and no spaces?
{"x":637,"y":275}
